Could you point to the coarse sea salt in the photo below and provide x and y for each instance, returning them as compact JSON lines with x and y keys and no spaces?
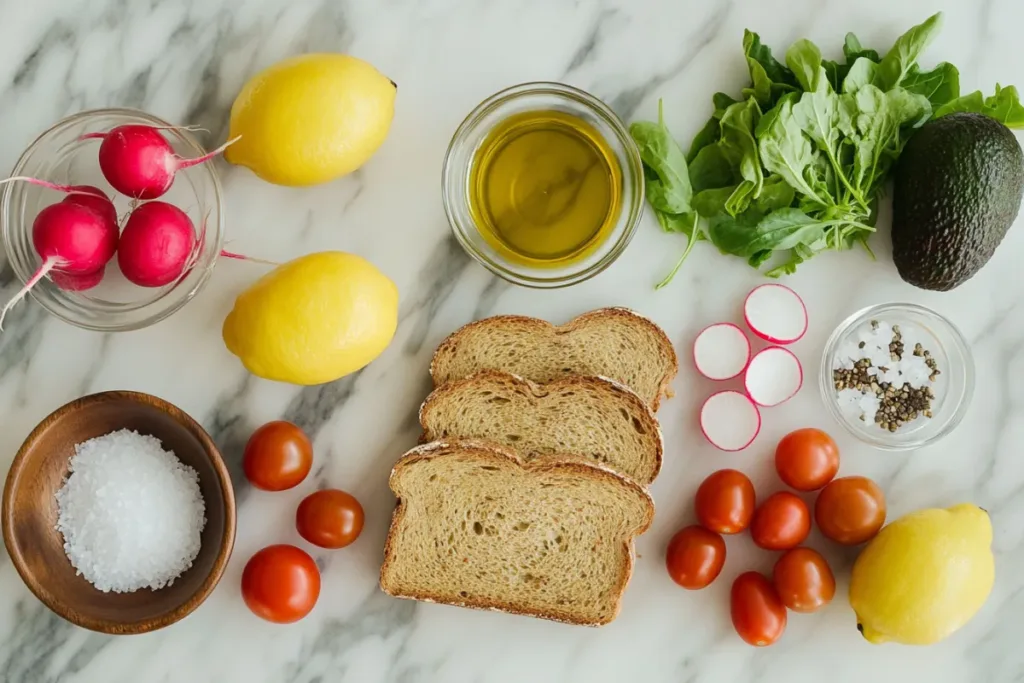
{"x":131,"y":513}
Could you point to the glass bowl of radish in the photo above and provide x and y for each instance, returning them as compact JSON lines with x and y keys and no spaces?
{"x":898,"y":376}
{"x":112,"y":220}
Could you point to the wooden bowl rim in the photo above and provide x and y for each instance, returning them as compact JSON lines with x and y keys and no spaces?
{"x":227,"y":540}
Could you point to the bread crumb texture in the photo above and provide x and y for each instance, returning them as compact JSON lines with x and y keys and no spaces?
{"x":478,"y":527}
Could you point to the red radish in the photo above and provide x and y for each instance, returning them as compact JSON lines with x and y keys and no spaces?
{"x":72,"y":237}
{"x":774,"y":375}
{"x":730,"y":420}
{"x":95,"y":199}
{"x":76,"y":283}
{"x":721,"y":351}
{"x":139,"y":162}
{"x":775,"y":313}
{"x":156,"y":244}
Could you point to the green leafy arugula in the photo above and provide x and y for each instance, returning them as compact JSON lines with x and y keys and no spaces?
{"x":667,"y":180}
{"x":1004,"y":106}
{"x":796,"y":165}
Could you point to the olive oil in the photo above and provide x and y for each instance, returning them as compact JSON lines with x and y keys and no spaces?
{"x":545,"y":188}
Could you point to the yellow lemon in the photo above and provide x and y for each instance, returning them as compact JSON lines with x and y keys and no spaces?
{"x":924,"y":576}
{"x":314,"y":319}
{"x":311,"y":118}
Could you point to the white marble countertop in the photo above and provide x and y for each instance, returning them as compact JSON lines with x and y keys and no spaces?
{"x":185,"y":61}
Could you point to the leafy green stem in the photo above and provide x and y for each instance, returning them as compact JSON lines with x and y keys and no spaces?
{"x":837,"y":167}
{"x":851,"y":223}
{"x":691,"y":240}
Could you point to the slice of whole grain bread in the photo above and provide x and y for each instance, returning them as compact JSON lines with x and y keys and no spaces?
{"x":477,"y":526}
{"x":609,"y":342}
{"x":592,"y":417}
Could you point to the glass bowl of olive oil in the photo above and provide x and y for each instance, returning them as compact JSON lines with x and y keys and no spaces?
{"x":543,"y":185}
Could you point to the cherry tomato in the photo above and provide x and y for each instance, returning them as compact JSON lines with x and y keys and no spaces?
{"x":807,"y":459}
{"x":695,"y":557}
{"x":725,"y":502}
{"x":850,"y":510}
{"x":781,"y":522}
{"x":281,"y":583}
{"x":803,"y":580}
{"x":758,"y":614}
{"x":329,"y":518}
{"x":277,"y":457}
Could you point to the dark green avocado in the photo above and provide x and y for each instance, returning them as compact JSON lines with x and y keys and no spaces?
{"x":958,"y":187}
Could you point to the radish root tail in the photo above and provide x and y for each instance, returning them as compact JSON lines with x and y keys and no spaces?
{"x":251,"y":259}
{"x":48,"y":265}
{"x":67,"y":189}
{"x":185,"y":163}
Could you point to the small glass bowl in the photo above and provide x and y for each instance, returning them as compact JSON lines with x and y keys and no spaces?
{"x":455,"y":180}
{"x":60,"y":157}
{"x":953,"y":387}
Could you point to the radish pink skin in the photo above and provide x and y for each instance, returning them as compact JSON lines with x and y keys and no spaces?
{"x":799,"y":385}
{"x":76,"y":283}
{"x":81,"y":238}
{"x":95,"y":199}
{"x":156,"y":243}
{"x":721,"y":379}
{"x":766,"y":337}
{"x":137,"y":161}
{"x":708,"y":438}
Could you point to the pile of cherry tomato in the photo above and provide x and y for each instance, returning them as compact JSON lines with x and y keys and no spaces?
{"x":848,"y":510}
{"x":281,"y":583}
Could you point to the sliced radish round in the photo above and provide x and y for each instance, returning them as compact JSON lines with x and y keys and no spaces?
{"x":730,"y":420}
{"x":775,"y":313}
{"x":721,"y":351}
{"x":774,"y":375}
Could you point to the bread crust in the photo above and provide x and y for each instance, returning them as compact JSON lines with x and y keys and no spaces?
{"x":484,"y":449}
{"x":447,"y":347}
{"x":538,"y":391}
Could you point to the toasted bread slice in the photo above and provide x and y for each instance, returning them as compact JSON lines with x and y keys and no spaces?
{"x":592,"y":417}
{"x":610,"y":342}
{"x":477,"y":526}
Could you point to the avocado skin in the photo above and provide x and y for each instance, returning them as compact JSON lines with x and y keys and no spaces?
{"x":958,"y":187}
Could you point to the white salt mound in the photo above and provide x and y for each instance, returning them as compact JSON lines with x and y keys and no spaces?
{"x":131,"y":513}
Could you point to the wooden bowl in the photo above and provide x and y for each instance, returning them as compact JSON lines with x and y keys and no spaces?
{"x":30,"y":513}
